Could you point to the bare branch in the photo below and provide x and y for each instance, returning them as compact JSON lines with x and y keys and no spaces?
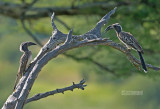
{"x":52,"y":52}
{"x":69,"y":37}
{"x":10,"y":9}
{"x":80,"y":85}
{"x":53,"y":48}
{"x":130,"y":57}
{"x":52,"y":22}
{"x":71,"y":56}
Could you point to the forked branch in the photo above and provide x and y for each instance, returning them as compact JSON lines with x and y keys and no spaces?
{"x":36,"y":97}
{"x":58,"y":44}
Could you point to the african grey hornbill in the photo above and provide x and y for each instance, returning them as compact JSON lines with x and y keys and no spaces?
{"x":24,"y":60}
{"x":129,"y":40}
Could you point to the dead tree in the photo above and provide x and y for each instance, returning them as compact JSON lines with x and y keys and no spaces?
{"x":57,"y":44}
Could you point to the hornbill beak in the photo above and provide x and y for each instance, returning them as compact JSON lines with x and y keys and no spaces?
{"x":24,"y":46}
{"x":30,"y":43}
{"x":108,"y":28}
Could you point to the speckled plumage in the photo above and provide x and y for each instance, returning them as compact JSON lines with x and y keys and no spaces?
{"x":24,"y":60}
{"x":129,"y":40}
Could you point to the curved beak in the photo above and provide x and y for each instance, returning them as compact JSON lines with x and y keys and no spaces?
{"x":108,"y":28}
{"x":30,"y":43}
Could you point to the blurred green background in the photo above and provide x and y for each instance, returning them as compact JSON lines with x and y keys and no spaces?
{"x":104,"y":89}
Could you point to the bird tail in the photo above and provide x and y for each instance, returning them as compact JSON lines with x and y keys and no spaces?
{"x":17,"y":80}
{"x":142,"y":62}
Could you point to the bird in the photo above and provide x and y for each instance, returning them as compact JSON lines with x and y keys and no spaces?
{"x":24,"y":60}
{"x":129,"y":40}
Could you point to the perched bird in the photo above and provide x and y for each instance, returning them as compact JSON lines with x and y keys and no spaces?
{"x":129,"y":40}
{"x":24,"y":60}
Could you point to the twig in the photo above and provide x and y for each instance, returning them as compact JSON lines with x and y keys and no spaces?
{"x":80,"y":85}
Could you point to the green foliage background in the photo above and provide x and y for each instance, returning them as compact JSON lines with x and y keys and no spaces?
{"x":140,"y":17}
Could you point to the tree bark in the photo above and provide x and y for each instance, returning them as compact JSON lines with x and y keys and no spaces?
{"x":58,"y":44}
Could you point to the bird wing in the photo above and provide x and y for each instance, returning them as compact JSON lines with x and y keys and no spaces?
{"x":23,"y":64}
{"x":129,"y":39}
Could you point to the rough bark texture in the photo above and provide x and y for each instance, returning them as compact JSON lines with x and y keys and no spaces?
{"x":36,"y":97}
